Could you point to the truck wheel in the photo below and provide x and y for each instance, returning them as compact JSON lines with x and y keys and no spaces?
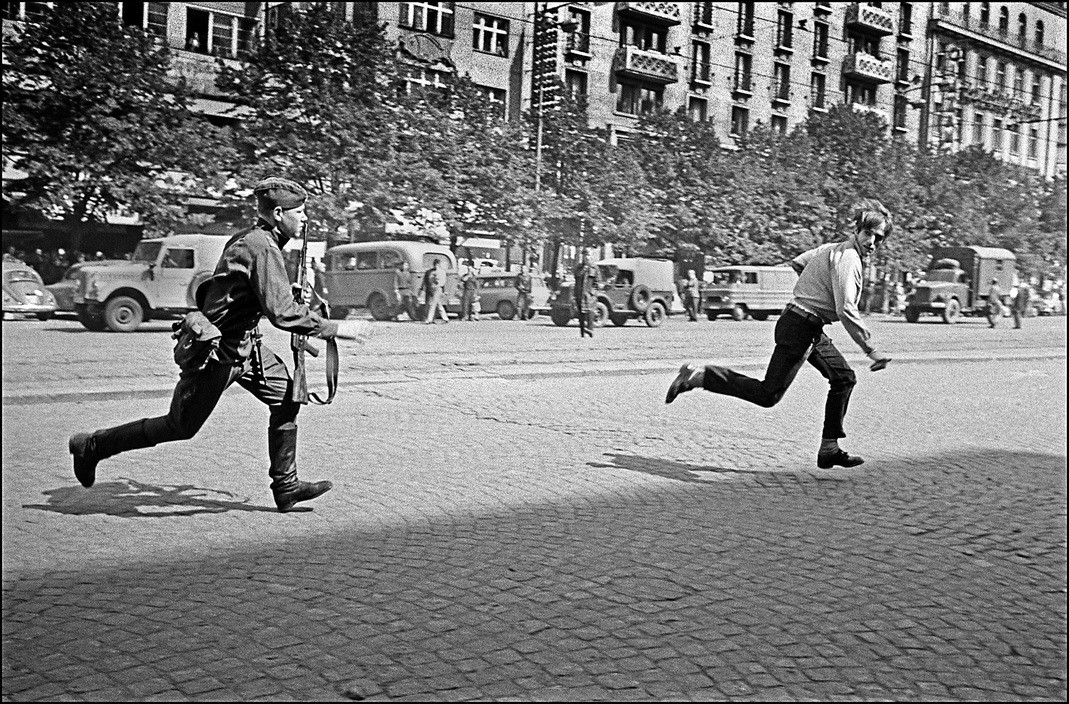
{"x":339,"y":312}
{"x":738,"y":312}
{"x":560,"y":316}
{"x":912,"y":314}
{"x":93,"y":323}
{"x":711,"y":314}
{"x":601,"y":314}
{"x":619,"y":319}
{"x":380,"y":309}
{"x":640,"y":298}
{"x":759,"y":316}
{"x":654,"y":314}
{"x":505,"y":310}
{"x":123,"y":314}
{"x":951,"y":312}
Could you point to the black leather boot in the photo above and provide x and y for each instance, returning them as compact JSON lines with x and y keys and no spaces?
{"x":288,"y":490}
{"x":90,"y":448}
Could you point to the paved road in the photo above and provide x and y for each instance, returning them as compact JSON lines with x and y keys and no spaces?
{"x":549,"y":534}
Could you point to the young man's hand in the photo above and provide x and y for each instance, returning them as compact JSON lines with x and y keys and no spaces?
{"x":879,"y":360}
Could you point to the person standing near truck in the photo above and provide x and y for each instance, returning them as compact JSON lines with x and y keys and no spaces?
{"x":1020,"y":304}
{"x":994,"y":303}
{"x":587,"y":282}
{"x":828,"y":289}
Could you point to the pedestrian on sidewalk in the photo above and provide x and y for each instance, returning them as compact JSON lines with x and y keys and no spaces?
{"x":249,"y":282}
{"x":587,"y":282}
{"x":433,"y":287}
{"x":828,"y":289}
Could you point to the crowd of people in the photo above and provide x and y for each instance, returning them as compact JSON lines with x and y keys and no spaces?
{"x":53,"y":263}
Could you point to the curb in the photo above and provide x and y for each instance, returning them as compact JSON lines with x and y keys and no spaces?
{"x":32,"y":398}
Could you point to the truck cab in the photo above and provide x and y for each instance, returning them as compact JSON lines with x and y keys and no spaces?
{"x":159,"y":281}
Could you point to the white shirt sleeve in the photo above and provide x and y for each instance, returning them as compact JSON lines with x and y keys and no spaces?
{"x":846,"y":287}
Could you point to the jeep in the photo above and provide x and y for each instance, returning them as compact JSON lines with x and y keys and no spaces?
{"x":159,"y":281}
{"x":630,"y":288}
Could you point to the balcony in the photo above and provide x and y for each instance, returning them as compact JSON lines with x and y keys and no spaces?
{"x":954,"y":19}
{"x":872,"y":110}
{"x":870,"y":20}
{"x":866,"y":67}
{"x":663,"y":13}
{"x":999,"y":102}
{"x":645,"y":65}
{"x":780,"y":92}
{"x":199,"y":70}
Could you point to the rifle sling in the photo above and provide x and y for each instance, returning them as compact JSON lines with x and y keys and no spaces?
{"x":332,"y":375}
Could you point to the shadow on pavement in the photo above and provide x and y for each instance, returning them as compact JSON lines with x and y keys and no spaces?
{"x":686,"y":472}
{"x":128,"y":498}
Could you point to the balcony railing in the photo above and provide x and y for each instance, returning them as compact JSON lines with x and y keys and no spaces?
{"x":578,"y":43}
{"x":869,"y":19}
{"x":661,"y":12}
{"x":958,"y":18}
{"x":646,"y":65}
{"x":867,"y":67}
{"x":872,"y":109}
{"x":781,"y":92}
{"x":998,"y":101}
{"x":702,"y":72}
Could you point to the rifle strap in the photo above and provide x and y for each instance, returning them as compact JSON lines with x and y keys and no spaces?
{"x":332,"y":375}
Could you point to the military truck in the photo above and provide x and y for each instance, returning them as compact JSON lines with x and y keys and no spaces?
{"x":957,"y":282}
{"x":160,"y":280}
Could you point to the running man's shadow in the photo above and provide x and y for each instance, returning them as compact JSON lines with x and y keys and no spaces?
{"x":704,"y":474}
{"x":128,"y":498}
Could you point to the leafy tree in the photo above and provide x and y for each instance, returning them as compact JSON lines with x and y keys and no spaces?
{"x":92,"y":116}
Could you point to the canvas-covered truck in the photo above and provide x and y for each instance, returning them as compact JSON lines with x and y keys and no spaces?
{"x":158,"y":281}
{"x":957,"y":281}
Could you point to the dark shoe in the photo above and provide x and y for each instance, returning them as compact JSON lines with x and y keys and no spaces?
{"x":304,"y":491}
{"x":680,"y":383}
{"x":830,"y":459}
{"x":83,"y":448}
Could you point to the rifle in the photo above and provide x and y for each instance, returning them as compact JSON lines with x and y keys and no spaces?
{"x":300,"y":345}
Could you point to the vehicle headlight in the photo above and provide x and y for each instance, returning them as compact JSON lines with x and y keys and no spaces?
{"x":92,"y":288}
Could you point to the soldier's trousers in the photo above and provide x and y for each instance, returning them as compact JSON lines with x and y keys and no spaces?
{"x":586,"y":321}
{"x":195,"y":397}
{"x":798,"y":340}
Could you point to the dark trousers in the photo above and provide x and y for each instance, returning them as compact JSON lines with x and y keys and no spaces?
{"x":195,"y":397}
{"x":586,"y":320}
{"x":467,"y":304}
{"x":798,"y":340}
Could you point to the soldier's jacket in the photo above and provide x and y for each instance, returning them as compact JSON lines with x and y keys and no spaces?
{"x":587,"y":282}
{"x":250,"y":282}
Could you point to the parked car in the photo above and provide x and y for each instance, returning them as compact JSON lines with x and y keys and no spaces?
{"x":497,"y":294}
{"x":633,"y":287}
{"x":361,"y":275}
{"x":754,"y":291}
{"x":65,"y":288}
{"x":25,"y":292}
{"x":159,"y":281}
{"x":1048,"y":304}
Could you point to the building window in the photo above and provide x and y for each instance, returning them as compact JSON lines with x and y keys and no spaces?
{"x":816,"y":90}
{"x":863,"y":43}
{"x":744,"y":26}
{"x":860,"y":93}
{"x":899,"y":118}
{"x":496,"y":98}
{"x":779,"y":124}
{"x":433,"y":17}
{"x":150,"y":16}
{"x":490,"y":35}
{"x":579,"y":40}
{"x":781,"y":82}
{"x":996,"y":135}
{"x":703,"y":14}
{"x":701,"y":61}
{"x":785,"y":29}
{"x":740,"y":121}
{"x":698,"y":109}
{"x":636,"y":99}
{"x":820,"y":40}
{"x":1036,"y":87}
{"x":985,"y":14}
{"x":981,"y":72}
{"x":1015,"y":139}
{"x":1039,"y":32}
{"x":1000,"y":76}
{"x":978,"y":129}
{"x":1018,"y":82}
{"x":905,"y":19}
{"x":576,"y":82}
{"x":903,"y":65}
{"x":1022,"y":27}
{"x":959,"y":125}
{"x":1033,"y":143}
{"x":645,"y":37}
{"x":1004,"y":21}
{"x":742,"y":71}
{"x":418,"y":79}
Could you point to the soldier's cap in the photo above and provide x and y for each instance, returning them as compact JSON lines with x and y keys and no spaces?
{"x":282,"y":193}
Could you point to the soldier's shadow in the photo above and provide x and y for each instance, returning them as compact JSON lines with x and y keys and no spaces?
{"x":128,"y":498}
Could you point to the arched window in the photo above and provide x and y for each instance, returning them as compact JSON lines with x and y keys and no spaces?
{"x":1004,"y":20}
{"x":985,"y":13}
{"x":1022,"y":25}
{"x":1039,"y":32}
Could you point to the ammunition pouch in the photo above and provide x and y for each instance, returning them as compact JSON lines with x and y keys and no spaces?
{"x":198,"y":342}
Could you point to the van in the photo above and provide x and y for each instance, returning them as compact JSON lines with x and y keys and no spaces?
{"x":754,"y":291}
{"x":361,"y":275}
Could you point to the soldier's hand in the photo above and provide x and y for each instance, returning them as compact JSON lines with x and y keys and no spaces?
{"x":358,"y":330}
{"x":879,"y":360}
{"x":300,"y":296}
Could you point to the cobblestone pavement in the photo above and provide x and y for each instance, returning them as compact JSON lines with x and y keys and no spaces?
{"x":553,"y":536}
